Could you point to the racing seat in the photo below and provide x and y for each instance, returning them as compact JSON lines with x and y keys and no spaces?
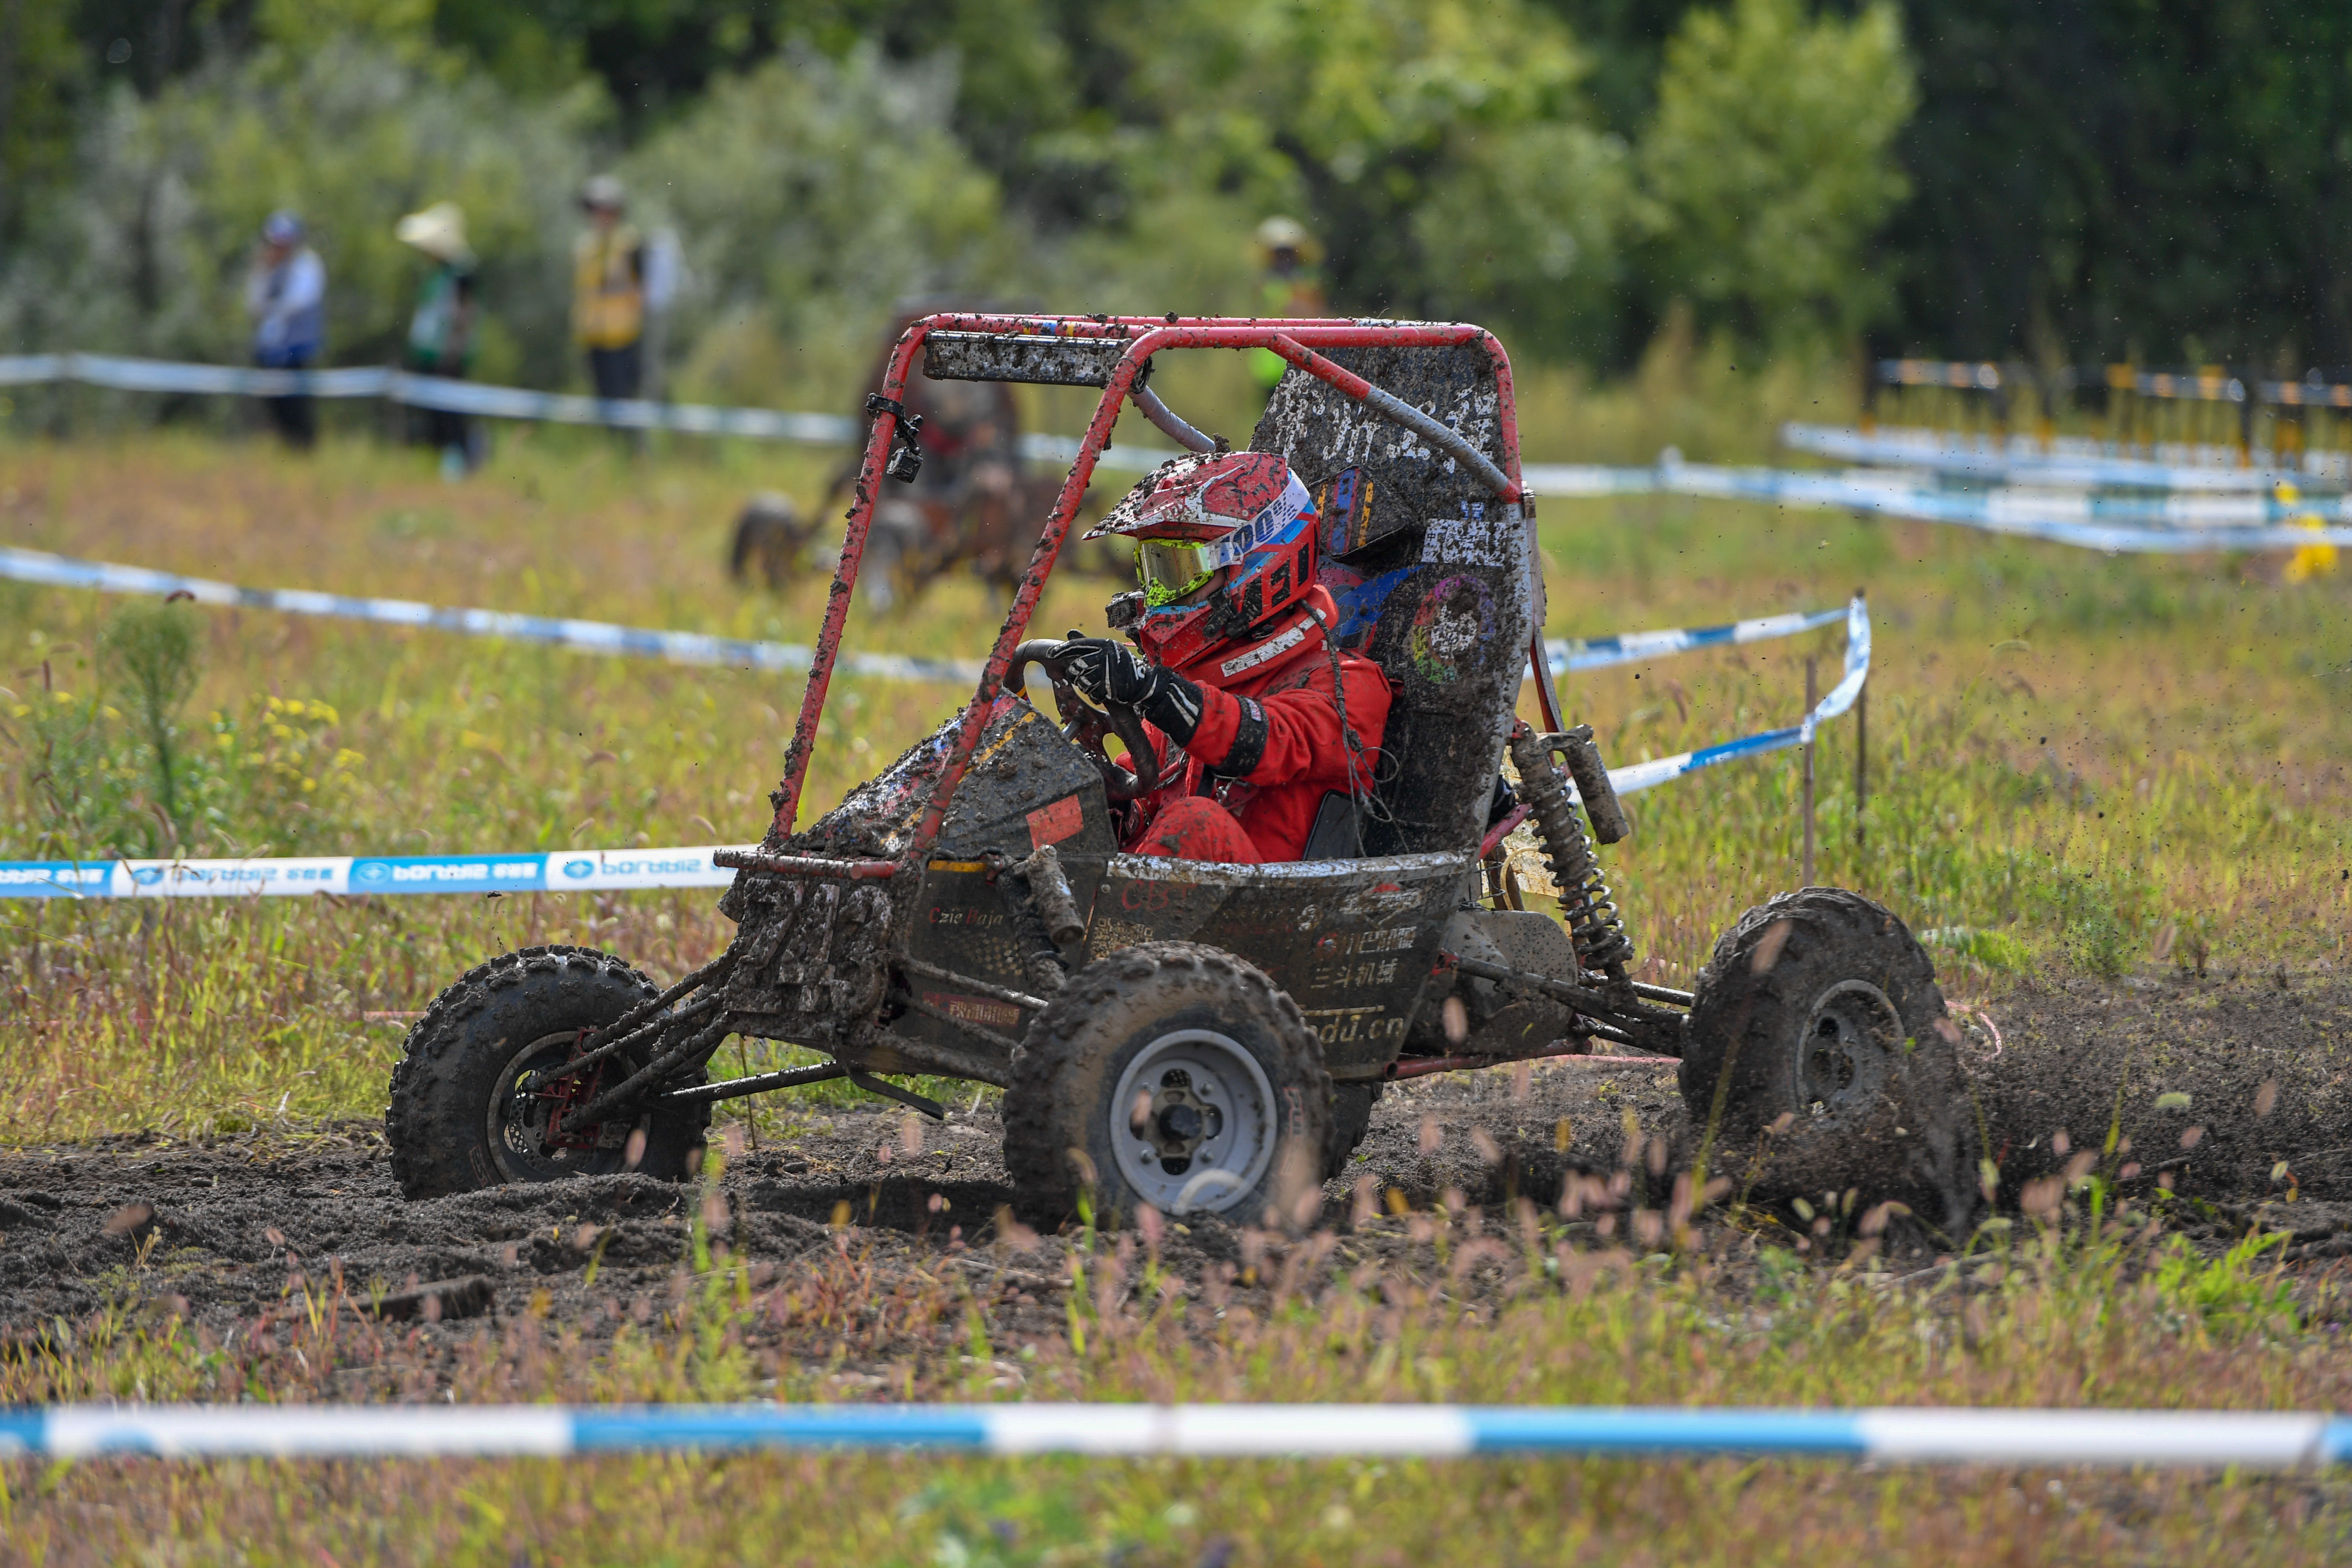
{"x":1433,"y":584}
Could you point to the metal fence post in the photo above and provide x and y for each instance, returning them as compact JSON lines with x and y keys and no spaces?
{"x":1860,"y":757}
{"x":1810,"y":662}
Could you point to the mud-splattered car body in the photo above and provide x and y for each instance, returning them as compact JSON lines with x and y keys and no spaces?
{"x":1432,"y":564}
{"x":929,"y":922}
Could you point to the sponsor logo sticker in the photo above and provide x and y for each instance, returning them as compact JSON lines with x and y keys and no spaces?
{"x":450,"y":873}
{"x":55,"y":879}
{"x":985,"y":1011}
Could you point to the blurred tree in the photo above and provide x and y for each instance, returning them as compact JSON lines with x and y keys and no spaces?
{"x":147,"y":43}
{"x":1626,"y":41}
{"x":1025,"y":69}
{"x":2092,"y":176}
{"x":146,"y":246}
{"x":656,"y":57}
{"x":811,"y":193}
{"x":401,"y":29}
{"x":2096,"y":176}
{"x":1442,"y":151}
{"x":1768,"y":167}
{"x":39,"y":68}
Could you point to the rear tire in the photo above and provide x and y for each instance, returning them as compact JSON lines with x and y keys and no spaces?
{"x":1173,"y":1075}
{"x":1820,"y":1005}
{"x":458,"y":1120}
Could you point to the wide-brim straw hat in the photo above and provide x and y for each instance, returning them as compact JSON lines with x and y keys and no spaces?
{"x":1280,"y":233}
{"x":439,"y":231}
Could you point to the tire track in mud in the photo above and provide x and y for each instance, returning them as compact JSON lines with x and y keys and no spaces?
{"x":228,"y":1227}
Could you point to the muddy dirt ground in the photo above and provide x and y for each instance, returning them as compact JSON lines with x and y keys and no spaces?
{"x":224,"y":1225}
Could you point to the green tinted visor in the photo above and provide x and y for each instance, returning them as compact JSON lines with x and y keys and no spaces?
{"x":1170,"y":568}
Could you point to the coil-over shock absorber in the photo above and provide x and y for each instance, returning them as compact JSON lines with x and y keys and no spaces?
{"x":1585,"y":903}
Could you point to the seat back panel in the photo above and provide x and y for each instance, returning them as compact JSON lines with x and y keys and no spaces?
{"x":1432,"y":581}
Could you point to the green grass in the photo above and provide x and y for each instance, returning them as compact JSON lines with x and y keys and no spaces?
{"x":2084,"y":761}
{"x":2077,"y":763}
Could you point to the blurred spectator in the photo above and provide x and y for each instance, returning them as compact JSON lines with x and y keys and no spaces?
{"x":441,"y":331}
{"x":286,"y":295}
{"x":608,"y":291}
{"x":1292,"y":288}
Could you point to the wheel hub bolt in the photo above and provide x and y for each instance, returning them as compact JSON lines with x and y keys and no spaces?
{"x":1180,"y":1121}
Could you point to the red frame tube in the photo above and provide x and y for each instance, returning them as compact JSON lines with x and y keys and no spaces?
{"x":1502,"y":829}
{"x":1146,"y":336}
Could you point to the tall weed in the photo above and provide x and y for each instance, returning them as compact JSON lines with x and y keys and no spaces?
{"x":60,"y":741}
{"x":150,"y":651}
{"x":112,"y":770}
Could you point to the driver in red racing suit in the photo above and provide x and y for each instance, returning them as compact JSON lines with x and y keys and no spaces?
{"x":1255,"y":714}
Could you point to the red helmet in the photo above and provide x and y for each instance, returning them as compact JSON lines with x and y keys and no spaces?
{"x":1196,"y":515}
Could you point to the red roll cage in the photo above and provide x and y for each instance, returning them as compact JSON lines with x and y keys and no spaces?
{"x":1296,"y":340}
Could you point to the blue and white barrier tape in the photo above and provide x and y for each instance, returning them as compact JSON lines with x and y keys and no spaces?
{"x":2065,"y":463}
{"x":592,"y":870}
{"x":2057,"y":519}
{"x":2105,"y":523}
{"x":697,"y":647}
{"x":2034,"y":516}
{"x":1567,"y":654}
{"x":583,"y":637}
{"x":1564,"y":482}
{"x":2202,"y":1440}
{"x":1635,"y":777}
{"x":123,"y":374}
{"x":570,"y":870}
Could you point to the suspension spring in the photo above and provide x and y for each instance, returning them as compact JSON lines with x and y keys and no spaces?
{"x":1585,"y":902}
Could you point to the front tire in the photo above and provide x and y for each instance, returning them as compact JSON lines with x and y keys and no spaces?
{"x":1820,"y":1005}
{"x":464,"y":1115}
{"x":1170,"y":1075}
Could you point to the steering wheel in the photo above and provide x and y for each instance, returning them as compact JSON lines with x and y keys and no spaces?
{"x":1086,"y":725}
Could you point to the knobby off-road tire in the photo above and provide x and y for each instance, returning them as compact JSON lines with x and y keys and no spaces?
{"x":449,"y":1123}
{"x":1820,"y":1005}
{"x":1184,"y":1051}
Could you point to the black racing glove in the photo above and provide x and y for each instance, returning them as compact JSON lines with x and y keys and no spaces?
{"x":1107,"y":671}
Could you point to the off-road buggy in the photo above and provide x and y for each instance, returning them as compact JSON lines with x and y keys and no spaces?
{"x":1205,"y":1036}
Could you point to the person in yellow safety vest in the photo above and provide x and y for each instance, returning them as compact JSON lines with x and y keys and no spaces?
{"x":1292,"y":287}
{"x":608,"y":291}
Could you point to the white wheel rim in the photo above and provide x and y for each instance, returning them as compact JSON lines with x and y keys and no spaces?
{"x":1206,"y":1163}
{"x":1846,"y":1056}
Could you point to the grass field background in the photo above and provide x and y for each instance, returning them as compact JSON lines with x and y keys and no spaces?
{"x":2077,"y":763}
{"x":2075,"y":759}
